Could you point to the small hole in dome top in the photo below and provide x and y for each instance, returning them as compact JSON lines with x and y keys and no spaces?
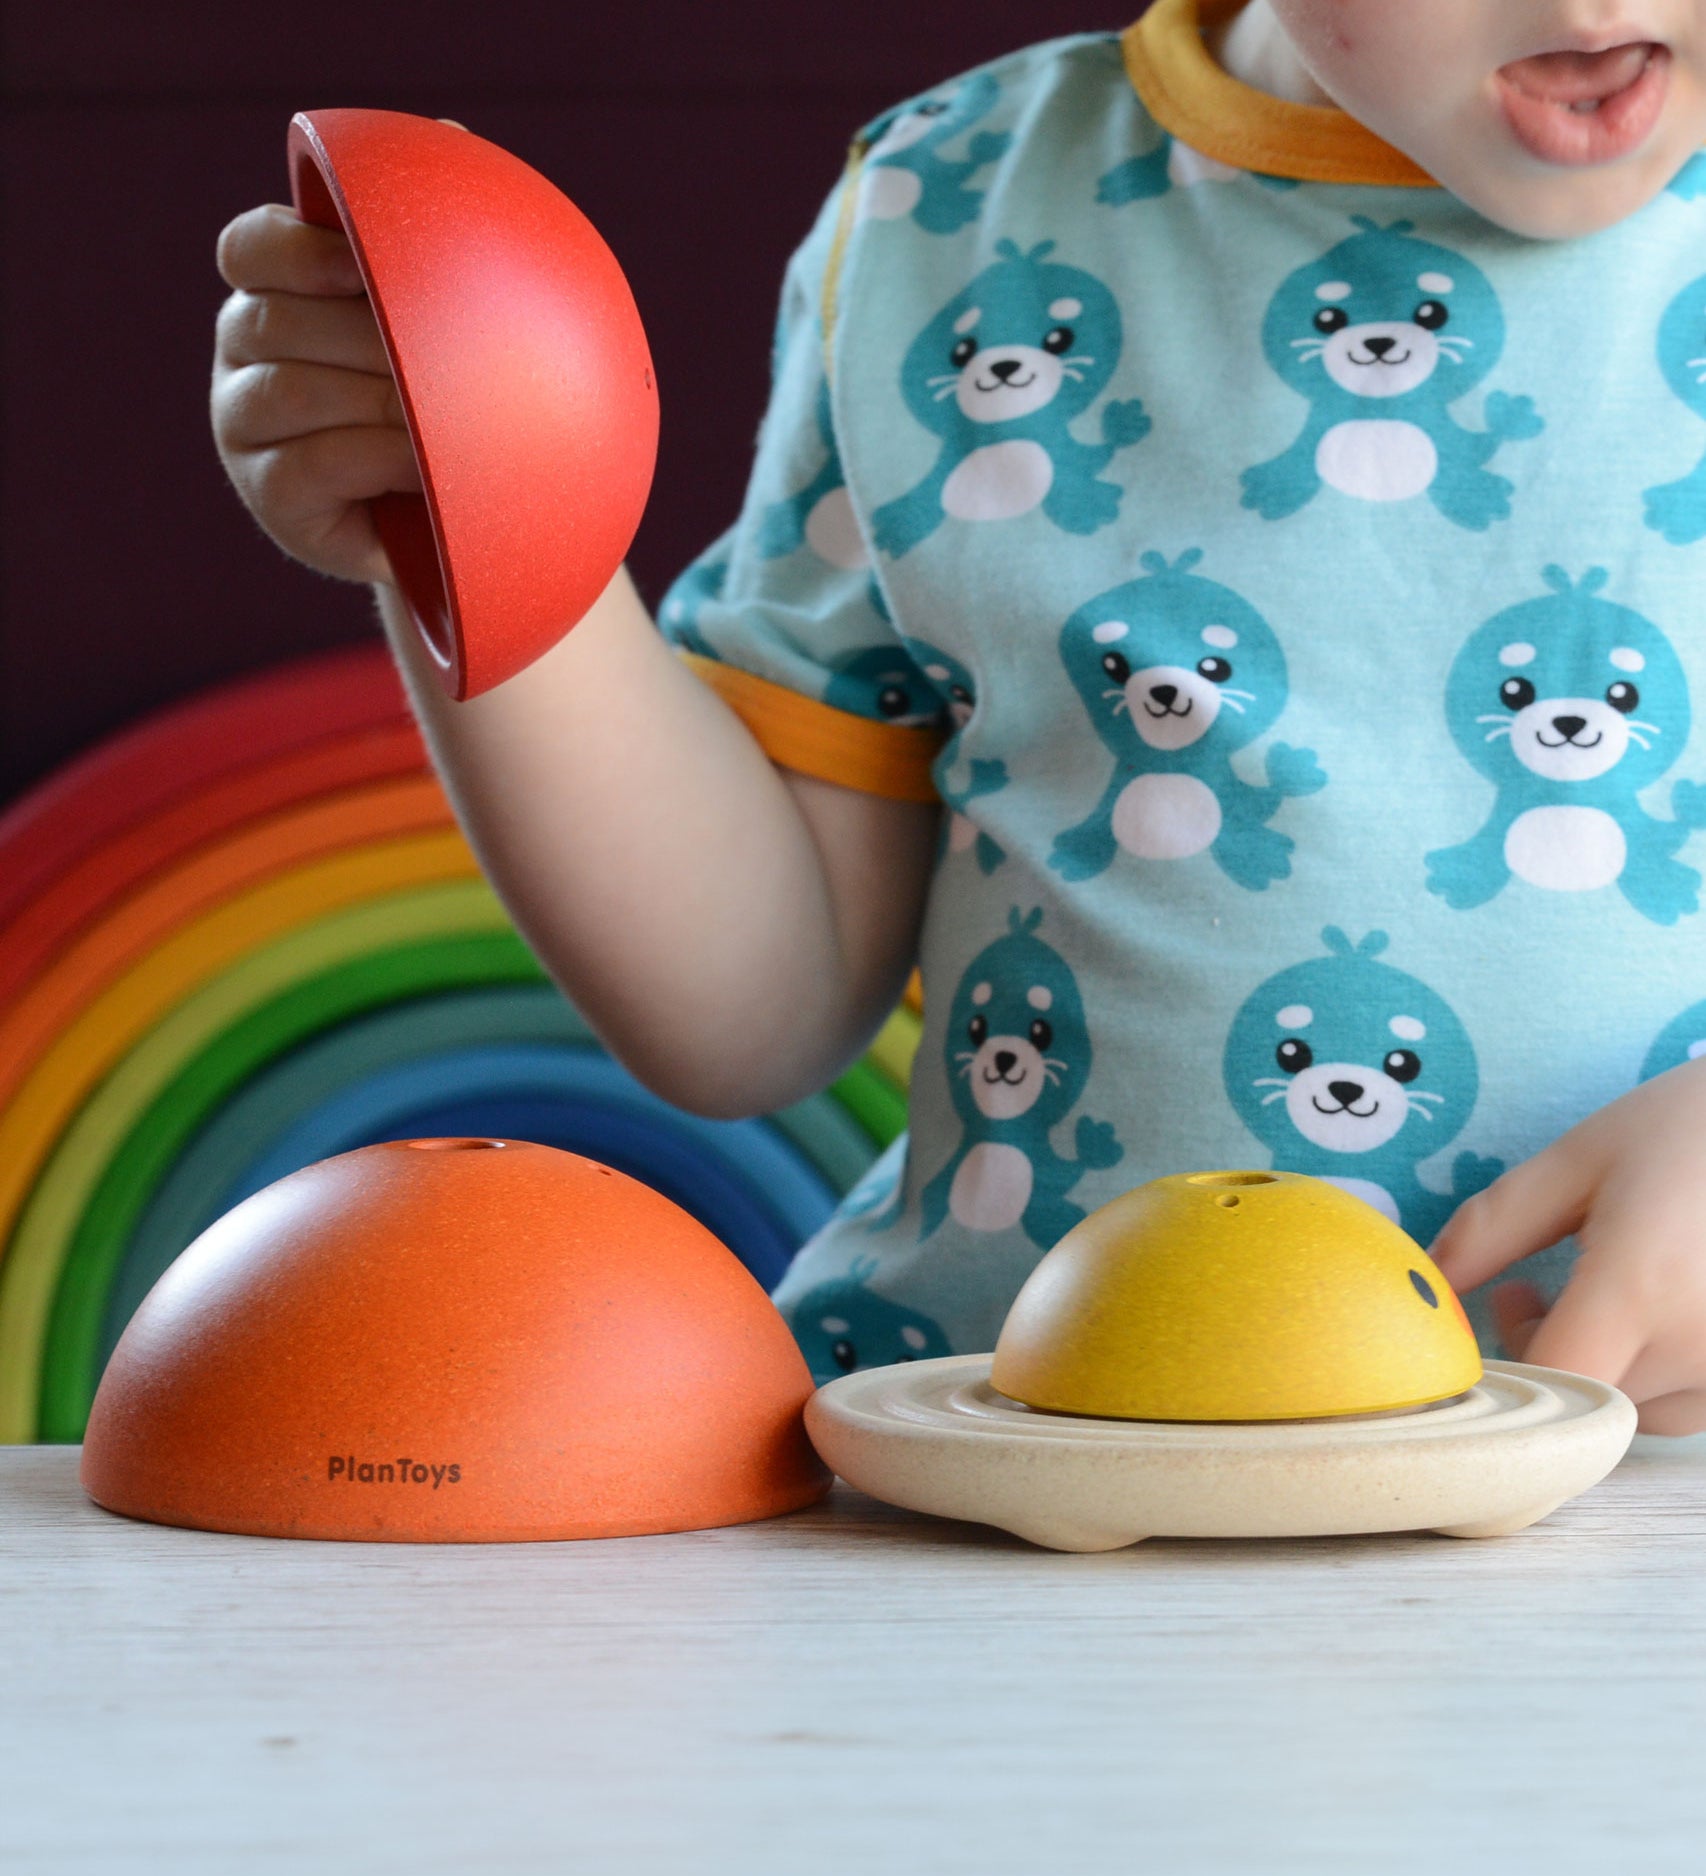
{"x":448,"y":1146}
{"x":1227,"y":1199}
{"x":1230,"y":1179}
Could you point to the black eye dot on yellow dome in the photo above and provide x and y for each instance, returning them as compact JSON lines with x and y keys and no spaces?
{"x":1424,"y":1289}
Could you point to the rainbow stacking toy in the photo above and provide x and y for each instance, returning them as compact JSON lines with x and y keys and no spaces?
{"x":246,"y":934}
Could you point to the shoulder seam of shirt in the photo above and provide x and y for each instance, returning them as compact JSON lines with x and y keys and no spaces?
{"x":812,"y":738}
{"x":1037,"y":52}
{"x":860,"y":148}
{"x":838,"y":252}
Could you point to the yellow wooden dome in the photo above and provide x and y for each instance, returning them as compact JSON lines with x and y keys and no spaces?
{"x":1235,"y":1296}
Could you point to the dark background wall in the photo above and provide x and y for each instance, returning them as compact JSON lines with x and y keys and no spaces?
{"x":700,"y":138}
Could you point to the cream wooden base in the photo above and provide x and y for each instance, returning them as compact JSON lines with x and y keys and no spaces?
{"x":934,"y":1436}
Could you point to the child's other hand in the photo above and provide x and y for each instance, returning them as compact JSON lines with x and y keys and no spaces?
{"x":1630,"y":1183}
{"x":306,"y":415}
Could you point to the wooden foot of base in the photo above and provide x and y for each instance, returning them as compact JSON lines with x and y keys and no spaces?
{"x":1081,"y":1538}
{"x":1502,"y":1527}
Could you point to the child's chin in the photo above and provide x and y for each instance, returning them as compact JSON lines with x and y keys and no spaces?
{"x":1559,"y":207}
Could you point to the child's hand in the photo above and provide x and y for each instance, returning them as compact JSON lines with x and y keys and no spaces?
{"x":306,"y":415}
{"x":1630,"y":1182}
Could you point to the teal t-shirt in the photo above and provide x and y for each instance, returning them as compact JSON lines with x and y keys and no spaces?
{"x":1305,"y":580}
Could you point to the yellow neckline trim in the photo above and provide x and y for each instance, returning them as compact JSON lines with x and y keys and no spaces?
{"x":1202,"y":105}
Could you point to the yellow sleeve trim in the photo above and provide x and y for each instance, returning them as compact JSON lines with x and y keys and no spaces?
{"x":1202,"y":105}
{"x":813,"y":738}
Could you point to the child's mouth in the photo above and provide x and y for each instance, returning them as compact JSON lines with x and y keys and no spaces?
{"x":1585,"y":107}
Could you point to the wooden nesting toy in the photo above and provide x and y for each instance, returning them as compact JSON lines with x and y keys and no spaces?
{"x":524,"y":375}
{"x":454,"y":1341}
{"x":1227,"y":1354}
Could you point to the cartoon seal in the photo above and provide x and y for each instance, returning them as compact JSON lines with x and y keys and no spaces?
{"x":905,"y":173}
{"x":1683,"y":1039}
{"x":819,"y":515}
{"x":1677,"y":510}
{"x":1352,"y":1071}
{"x":882,"y":682}
{"x":1571,"y":705}
{"x":1018,"y":1056}
{"x":699,"y":586}
{"x":999,"y":375}
{"x":1382,"y":334}
{"x":960,"y":784}
{"x":841,"y":1325}
{"x":1172,"y":165}
{"x":1154,"y":663}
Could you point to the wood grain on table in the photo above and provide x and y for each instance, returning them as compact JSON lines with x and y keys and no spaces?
{"x":855,"y":1688}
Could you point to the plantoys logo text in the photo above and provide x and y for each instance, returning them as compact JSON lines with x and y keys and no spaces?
{"x":389,"y":1472}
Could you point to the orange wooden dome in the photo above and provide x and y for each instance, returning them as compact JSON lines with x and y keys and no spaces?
{"x":454,"y":1341}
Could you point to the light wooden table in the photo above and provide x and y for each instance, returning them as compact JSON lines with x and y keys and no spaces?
{"x":854,"y":1688}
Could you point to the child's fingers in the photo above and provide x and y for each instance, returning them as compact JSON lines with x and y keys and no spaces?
{"x":1593,"y":1328}
{"x":1680,"y":1413}
{"x":1518,"y":1310}
{"x":254,"y":328}
{"x":1533,"y":1205}
{"x":1667,"y":1365}
{"x":302,"y":485}
{"x":272,"y":249}
{"x":312,"y":495}
{"x":271,"y":403}
{"x":1657,"y":1372}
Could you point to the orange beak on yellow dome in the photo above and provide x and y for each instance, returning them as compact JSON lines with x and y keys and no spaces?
{"x":1235,"y":1296}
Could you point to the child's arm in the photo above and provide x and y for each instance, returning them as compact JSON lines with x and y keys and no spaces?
{"x":733,"y":931}
{"x":1630,"y":1183}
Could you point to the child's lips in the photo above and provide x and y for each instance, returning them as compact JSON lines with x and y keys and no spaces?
{"x":1579,"y":108}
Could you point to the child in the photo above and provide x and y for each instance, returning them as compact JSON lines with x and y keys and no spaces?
{"x":1220,"y":599}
